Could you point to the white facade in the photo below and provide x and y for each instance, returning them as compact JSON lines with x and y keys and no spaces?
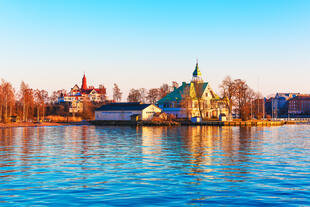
{"x":126,"y":115}
{"x":78,"y":95}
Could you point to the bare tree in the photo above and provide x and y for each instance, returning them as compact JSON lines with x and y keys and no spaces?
{"x":40,"y":98}
{"x":117,"y":94}
{"x":134,"y":95}
{"x":143,"y":93}
{"x":164,"y":90}
{"x":228,"y":90}
{"x":153,"y":95}
{"x":7,"y":99}
{"x":88,"y":109}
{"x":243,"y":97}
{"x":57,"y":94}
{"x":26,"y":94}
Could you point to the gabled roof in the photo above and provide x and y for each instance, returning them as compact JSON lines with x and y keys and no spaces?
{"x":89,"y":90}
{"x":76,"y":86}
{"x":129,"y":106}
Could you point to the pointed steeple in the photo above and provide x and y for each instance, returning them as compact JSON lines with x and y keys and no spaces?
{"x":197,"y":76}
{"x":84,"y":83}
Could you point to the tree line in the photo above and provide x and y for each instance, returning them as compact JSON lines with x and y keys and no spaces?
{"x":36,"y":104}
{"x":143,"y":95}
{"x":241,"y":98}
{"x":27,"y":103}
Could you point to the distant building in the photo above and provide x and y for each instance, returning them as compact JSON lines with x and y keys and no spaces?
{"x":78,"y":95}
{"x":299,"y":105}
{"x":194,"y":99}
{"x":126,"y":111}
{"x":277,"y":106}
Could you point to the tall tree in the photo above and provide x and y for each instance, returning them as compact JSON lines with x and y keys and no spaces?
{"x":243,"y":97}
{"x":163,"y":90}
{"x":117,"y":94}
{"x":7,"y":96}
{"x":57,"y":94}
{"x":134,"y":95}
{"x":228,"y":90}
{"x":153,"y":95}
{"x":88,"y":109}
{"x":143,"y":93}
{"x":40,"y":98}
{"x":27,"y":101}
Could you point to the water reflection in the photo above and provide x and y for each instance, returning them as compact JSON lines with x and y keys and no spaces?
{"x":222,"y":149}
{"x":205,"y":148}
{"x":168,"y":165}
{"x":152,"y":139}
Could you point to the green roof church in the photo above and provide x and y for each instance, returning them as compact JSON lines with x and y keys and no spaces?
{"x":194,"y":99}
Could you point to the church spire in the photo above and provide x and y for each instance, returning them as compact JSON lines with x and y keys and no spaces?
{"x":84,"y":83}
{"x":197,"y":76}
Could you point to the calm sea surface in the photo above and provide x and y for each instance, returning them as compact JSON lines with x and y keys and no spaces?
{"x":155,"y":166}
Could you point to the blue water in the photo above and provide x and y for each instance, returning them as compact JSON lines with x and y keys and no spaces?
{"x":155,"y":166}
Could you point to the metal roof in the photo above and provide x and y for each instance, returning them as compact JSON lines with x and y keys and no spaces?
{"x":185,"y":90}
{"x":130,"y":106}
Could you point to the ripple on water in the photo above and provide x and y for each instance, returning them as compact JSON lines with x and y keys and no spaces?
{"x":155,"y":166}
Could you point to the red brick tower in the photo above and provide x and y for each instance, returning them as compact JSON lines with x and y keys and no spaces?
{"x":84,"y":83}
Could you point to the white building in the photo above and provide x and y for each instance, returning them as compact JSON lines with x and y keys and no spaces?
{"x":78,"y":95}
{"x":126,"y":112}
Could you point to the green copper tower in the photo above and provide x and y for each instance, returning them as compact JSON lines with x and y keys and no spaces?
{"x":197,"y":76}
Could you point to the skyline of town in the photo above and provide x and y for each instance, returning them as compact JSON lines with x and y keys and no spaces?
{"x":138,"y":44}
{"x":109,"y":90}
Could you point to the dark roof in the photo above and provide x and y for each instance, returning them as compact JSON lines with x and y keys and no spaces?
{"x":87,"y":91}
{"x":301,"y":97}
{"x":130,"y":106}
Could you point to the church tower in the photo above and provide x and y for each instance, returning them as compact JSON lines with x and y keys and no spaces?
{"x":197,"y":76}
{"x":84,"y":83}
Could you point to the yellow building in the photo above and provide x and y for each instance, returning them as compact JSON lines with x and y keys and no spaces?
{"x":195,"y":99}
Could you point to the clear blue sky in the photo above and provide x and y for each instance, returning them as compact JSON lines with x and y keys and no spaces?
{"x":139,"y":43}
